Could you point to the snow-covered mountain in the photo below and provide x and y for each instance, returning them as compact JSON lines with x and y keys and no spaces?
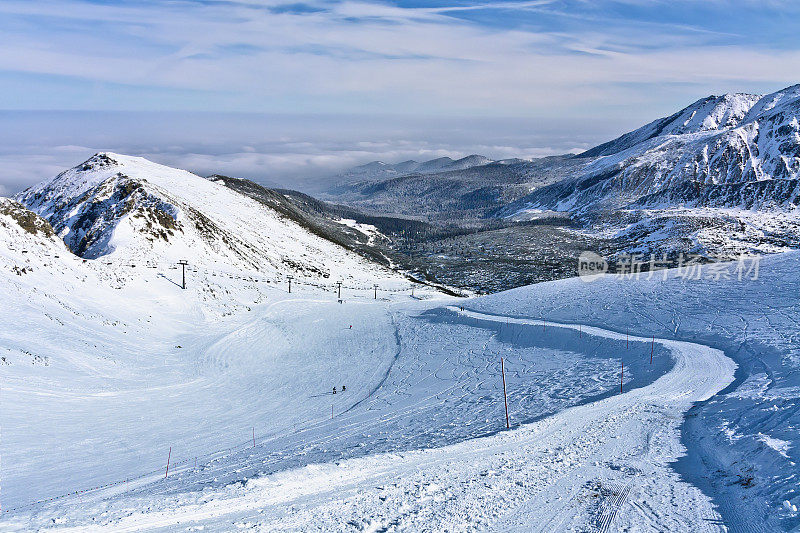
{"x":733,"y":151}
{"x":128,"y":209}
{"x":720,"y":177}
{"x":707,"y":114}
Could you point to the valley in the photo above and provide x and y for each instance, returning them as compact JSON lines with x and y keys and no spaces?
{"x":413,"y":351}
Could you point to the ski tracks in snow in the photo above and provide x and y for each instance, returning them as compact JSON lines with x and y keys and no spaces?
{"x":600,"y":466}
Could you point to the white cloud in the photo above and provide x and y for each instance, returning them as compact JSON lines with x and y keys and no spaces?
{"x":365,"y":56}
{"x":290,"y":151}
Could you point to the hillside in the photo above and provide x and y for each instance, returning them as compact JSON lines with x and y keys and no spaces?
{"x":124,"y":209}
{"x":717,"y":178}
{"x":739,"y":153}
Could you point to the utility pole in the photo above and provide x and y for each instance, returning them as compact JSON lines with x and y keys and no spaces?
{"x":290,"y":278}
{"x":339,"y":288}
{"x":183,"y":264}
{"x":505,"y":398}
{"x":376,"y":290}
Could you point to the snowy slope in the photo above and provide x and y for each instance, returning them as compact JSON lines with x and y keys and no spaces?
{"x":743,"y":444}
{"x":576,"y":470}
{"x":707,"y":114}
{"x":238,"y":387}
{"x":398,"y":449}
{"x":734,"y":151}
{"x":129,"y":210}
{"x":103,"y":361}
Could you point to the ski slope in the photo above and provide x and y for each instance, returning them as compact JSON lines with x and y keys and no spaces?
{"x":232,"y":380}
{"x":575,"y":469}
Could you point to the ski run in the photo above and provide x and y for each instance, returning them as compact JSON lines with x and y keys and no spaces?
{"x":662,"y":402}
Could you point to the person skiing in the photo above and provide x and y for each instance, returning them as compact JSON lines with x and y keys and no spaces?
{"x":344,"y":388}
{"x":334,"y":390}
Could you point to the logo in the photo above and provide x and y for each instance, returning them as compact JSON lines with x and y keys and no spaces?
{"x":591,"y":266}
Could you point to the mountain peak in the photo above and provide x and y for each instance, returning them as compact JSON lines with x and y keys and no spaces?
{"x":126,"y":208}
{"x":711,"y":113}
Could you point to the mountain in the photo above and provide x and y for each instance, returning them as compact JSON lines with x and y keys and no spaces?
{"x":129,"y":210}
{"x":378,"y":238}
{"x":455,"y":194}
{"x":719,"y":177}
{"x":736,"y":151}
{"x":707,"y":114}
{"x":378,"y":170}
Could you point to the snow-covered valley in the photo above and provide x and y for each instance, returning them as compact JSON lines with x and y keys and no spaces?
{"x":408,"y":394}
{"x":658,"y":401}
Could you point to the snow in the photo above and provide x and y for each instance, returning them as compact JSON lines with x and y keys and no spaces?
{"x":588,"y":450}
{"x":367,"y":229}
{"x":141,"y":211}
{"x":109,"y":367}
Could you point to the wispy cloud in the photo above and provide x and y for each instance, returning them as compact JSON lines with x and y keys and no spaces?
{"x":287,"y":150}
{"x":553,"y":62}
{"x":527,"y":57}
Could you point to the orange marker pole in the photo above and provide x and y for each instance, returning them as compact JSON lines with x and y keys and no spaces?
{"x":652,"y":347}
{"x":505,"y":398}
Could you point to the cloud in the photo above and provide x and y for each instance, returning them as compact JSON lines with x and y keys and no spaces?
{"x":289,"y":92}
{"x":295,"y":151}
{"x":531,"y":58}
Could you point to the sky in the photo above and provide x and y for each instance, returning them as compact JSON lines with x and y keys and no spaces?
{"x":289,"y":93}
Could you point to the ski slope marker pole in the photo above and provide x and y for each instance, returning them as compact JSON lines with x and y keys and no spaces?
{"x":652,"y":346}
{"x":621,"y":374}
{"x":254,"y":437}
{"x":505,"y":398}
{"x":168,"y":458}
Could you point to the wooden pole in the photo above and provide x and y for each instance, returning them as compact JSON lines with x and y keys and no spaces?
{"x":168,"y":458}
{"x":505,"y":397}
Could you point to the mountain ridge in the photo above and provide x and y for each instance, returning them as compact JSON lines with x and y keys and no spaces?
{"x":123,"y":208}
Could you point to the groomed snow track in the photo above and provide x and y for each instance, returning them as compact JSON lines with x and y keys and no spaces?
{"x":601,"y":466}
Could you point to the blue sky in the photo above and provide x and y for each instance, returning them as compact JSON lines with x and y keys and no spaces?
{"x":612,"y":64}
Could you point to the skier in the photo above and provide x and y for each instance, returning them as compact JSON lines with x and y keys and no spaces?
{"x":344,"y":388}
{"x":334,"y":390}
